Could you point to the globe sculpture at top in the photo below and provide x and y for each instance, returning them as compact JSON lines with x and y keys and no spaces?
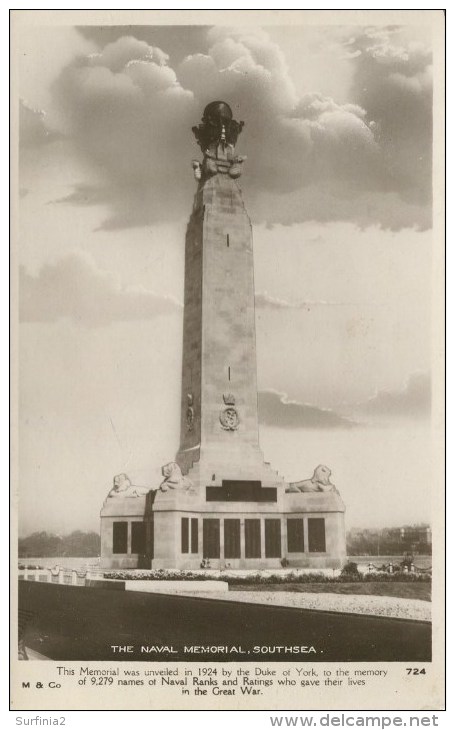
{"x":217,"y":126}
{"x":217,"y":136}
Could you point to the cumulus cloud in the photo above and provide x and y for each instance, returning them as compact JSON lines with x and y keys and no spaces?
{"x":275,"y":409}
{"x":129,"y":117}
{"x":131,"y":113}
{"x":33,"y":128}
{"x":411,"y":401}
{"x":291,"y":142}
{"x":73,"y":287}
{"x":328,"y":200}
{"x":393,"y":80}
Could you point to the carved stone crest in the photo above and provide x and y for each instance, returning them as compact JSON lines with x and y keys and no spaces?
{"x":229,"y":418}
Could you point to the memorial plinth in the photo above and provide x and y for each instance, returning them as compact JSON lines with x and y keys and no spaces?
{"x":220,"y":503}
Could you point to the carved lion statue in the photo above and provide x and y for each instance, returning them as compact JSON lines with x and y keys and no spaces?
{"x":319,"y":482}
{"x":122,"y":487}
{"x":173,"y":478}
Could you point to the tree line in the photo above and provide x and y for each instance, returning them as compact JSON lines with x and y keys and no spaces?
{"x":77,"y":544}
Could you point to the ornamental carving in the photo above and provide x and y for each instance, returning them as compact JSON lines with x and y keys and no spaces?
{"x":122,"y":487}
{"x":174,"y":479}
{"x":229,"y":418}
{"x":319,"y":482}
{"x":190,"y":413}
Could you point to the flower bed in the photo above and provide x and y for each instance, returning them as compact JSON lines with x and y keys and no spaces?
{"x":264,"y":577}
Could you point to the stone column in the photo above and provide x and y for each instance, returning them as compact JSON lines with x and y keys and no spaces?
{"x":305,"y":535}
{"x":242,"y":538}
{"x":222,"y":539}
{"x":129,"y":538}
{"x":284,"y":537}
{"x":262,"y":521}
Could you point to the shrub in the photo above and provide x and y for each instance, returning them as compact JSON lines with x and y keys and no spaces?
{"x":397,"y":577}
{"x":350,"y":569}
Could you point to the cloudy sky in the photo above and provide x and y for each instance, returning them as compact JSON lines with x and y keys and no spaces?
{"x":338,"y":135}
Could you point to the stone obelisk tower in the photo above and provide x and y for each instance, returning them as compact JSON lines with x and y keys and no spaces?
{"x":219,"y":412}
{"x":220,"y":504}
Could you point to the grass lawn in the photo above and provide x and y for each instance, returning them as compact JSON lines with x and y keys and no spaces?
{"x":397,"y":590}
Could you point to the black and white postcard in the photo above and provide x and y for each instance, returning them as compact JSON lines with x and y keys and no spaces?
{"x":228,"y":359}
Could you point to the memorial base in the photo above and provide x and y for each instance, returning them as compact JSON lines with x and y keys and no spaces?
{"x":188,"y":530}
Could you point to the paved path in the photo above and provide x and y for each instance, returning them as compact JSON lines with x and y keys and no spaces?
{"x":71,"y":623}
